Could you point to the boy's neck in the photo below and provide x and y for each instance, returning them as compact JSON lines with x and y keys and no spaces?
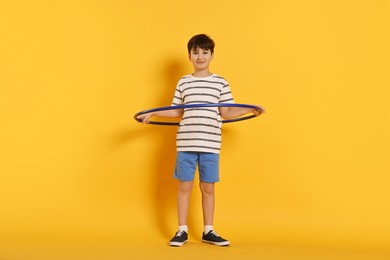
{"x":201,"y":74}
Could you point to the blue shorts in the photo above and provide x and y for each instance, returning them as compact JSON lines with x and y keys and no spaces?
{"x":208,"y":166}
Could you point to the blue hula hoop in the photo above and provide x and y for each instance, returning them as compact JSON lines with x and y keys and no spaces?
{"x":197,"y":106}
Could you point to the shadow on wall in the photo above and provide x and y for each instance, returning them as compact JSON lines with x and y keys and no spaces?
{"x":165,"y":186}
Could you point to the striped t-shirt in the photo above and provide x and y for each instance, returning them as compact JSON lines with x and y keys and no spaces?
{"x":200,"y":128}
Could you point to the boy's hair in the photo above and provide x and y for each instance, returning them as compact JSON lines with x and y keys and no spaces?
{"x":201,"y":41}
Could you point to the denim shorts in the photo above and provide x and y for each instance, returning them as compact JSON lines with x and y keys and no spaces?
{"x":208,"y":166}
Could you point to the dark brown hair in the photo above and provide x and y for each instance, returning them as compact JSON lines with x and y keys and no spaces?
{"x":201,"y":41}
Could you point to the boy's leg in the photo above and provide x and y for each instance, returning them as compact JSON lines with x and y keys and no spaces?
{"x":209,"y":175}
{"x":183,"y":203}
{"x":184,"y":172}
{"x":183,"y":200}
{"x":208,"y":202}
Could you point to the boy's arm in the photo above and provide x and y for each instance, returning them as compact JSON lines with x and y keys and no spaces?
{"x":166,"y":113}
{"x":233,"y":112}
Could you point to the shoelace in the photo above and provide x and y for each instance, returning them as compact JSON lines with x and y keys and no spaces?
{"x":179,"y":233}
{"x":214,"y":233}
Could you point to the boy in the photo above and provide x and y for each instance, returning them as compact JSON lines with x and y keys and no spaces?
{"x":199,"y":136}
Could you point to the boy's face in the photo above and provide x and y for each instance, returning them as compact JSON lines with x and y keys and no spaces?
{"x":200,"y":58}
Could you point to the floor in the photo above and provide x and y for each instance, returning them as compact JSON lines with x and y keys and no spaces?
{"x":158,"y":249}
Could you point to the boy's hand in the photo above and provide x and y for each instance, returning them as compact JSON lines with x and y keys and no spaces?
{"x":145,"y":118}
{"x":260,"y":111}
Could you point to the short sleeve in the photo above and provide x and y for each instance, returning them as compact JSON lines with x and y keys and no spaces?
{"x":177,"y":98}
{"x":226,"y":94}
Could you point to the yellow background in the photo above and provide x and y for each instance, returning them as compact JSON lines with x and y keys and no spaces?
{"x":80,"y":178}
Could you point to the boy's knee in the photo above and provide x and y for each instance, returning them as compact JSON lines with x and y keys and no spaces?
{"x":207,"y":188}
{"x":186,"y":186}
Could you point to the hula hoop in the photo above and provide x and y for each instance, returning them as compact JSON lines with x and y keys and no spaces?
{"x":198,"y":106}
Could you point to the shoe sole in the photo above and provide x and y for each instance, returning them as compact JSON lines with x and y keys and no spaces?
{"x":177,"y":244}
{"x":226,"y":243}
